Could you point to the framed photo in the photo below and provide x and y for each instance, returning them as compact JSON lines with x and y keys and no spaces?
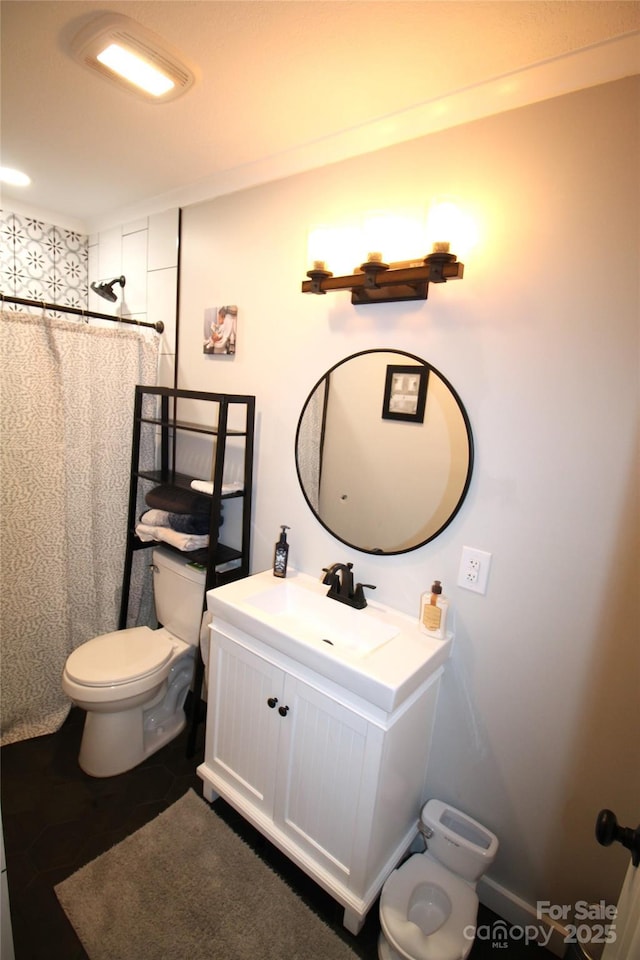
{"x":405,"y":393}
{"x":220,"y":330}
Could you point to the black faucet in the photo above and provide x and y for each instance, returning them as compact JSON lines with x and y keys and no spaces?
{"x":339,"y":578}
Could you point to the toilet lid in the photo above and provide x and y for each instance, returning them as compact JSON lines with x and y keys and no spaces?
{"x":120,"y":657}
{"x":451,"y":941}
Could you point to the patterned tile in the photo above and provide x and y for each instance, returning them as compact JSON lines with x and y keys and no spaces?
{"x":41,"y":261}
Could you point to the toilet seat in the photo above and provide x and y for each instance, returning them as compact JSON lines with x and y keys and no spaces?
{"x":448,"y":941}
{"x":120,"y":657}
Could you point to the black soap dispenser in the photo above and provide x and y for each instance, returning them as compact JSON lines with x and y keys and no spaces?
{"x":281,"y":554}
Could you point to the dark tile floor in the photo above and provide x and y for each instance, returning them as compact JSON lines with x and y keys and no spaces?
{"x":56,"y":819}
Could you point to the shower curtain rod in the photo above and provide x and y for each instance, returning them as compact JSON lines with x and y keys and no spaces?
{"x":158,"y":326}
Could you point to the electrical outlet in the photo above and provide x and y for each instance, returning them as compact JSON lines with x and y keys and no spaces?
{"x":474,"y":569}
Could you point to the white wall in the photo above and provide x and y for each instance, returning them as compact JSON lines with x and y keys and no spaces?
{"x":538,"y":719}
{"x":146,"y":252}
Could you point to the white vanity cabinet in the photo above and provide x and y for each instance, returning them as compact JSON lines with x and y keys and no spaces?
{"x":333,"y":781}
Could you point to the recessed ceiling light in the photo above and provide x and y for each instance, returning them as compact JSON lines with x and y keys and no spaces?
{"x":15,"y":177}
{"x":134,"y":58}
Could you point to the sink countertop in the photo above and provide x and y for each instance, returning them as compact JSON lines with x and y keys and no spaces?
{"x":385,"y":676}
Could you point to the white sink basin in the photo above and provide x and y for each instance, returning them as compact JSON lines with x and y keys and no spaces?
{"x":377,"y":653}
{"x":304,"y":616}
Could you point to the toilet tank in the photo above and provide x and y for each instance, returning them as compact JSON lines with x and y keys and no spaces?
{"x":458,"y":842}
{"x":178,"y":590}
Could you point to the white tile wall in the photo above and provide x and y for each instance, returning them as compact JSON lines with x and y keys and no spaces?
{"x":135,"y":226}
{"x":161,"y":304}
{"x":163,"y":240}
{"x":166,"y":370}
{"x":109,"y":253}
{"x":134,"y":267}
{"x":146,"y":252}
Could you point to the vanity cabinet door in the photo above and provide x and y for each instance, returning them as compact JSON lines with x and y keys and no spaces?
{"x":322,"y":755}
{"x":243,"y":722}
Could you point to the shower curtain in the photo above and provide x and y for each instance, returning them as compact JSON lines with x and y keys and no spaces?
{"x":66,"y":415}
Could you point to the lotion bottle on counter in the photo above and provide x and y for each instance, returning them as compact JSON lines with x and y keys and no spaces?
{"x":433,"y":611}
{"x":281,"y":554}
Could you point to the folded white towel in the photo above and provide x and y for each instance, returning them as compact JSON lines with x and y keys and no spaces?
{"x":155,"y":518}
{"x":182,"y":541}
{"x":206,"y":486}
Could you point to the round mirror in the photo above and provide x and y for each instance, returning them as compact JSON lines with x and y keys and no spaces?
{"x":384,"y":451}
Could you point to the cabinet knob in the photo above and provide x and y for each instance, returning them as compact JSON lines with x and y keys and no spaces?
{"x":271,"y":702}
{"x":283,"y":711}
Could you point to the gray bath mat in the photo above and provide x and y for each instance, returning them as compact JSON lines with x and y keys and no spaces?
{"x":186,"y":887}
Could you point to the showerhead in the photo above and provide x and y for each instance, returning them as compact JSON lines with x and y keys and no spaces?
{"x":104,"y":288}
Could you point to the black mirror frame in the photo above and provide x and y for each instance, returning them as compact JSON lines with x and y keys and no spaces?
{"x":467,"y":423}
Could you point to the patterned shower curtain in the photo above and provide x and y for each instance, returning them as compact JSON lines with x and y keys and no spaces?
{"x":66,"y":415}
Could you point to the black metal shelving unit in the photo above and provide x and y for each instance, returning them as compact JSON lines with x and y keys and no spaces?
{"x":157,"y":408}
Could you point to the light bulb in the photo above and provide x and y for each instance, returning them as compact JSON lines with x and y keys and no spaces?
{"x":319,"y":247}
{"x":396,"y":236}
{"x":449,"y":229}
{"x":375,"y":236}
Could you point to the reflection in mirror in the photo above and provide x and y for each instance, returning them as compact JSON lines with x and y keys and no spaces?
{"x":382,"y":472}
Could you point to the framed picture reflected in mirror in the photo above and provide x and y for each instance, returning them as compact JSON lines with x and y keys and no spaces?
{"x":405,"y":393}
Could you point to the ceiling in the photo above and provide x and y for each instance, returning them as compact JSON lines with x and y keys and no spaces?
{"x":280,"y":83}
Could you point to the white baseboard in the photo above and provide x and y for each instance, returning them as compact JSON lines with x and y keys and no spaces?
{"x":522,"y":916}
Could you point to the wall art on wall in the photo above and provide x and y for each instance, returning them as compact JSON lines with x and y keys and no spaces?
{"x":220,"y":330}
{"x":405,"y":393}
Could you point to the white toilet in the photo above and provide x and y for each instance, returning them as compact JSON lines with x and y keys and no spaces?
{"x":429,"y":905}
{"x":133,"y":683}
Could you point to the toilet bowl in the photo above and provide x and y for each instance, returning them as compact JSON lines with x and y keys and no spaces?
{"x":429,"y":905}
{"x":133,"y":683}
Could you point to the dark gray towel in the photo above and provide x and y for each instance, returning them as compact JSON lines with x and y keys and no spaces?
{"x":196,"y":524}
{"x":177,"y":500}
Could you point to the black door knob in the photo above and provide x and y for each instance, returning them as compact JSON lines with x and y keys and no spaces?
{"x":608,"y":832}
{"x":271,"y":702}
{"x":283,"y":711}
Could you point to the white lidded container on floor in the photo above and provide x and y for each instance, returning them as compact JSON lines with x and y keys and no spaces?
{"x":429,"y":904}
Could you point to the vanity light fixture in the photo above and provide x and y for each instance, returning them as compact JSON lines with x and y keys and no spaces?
{"x":379,"y":282}
{"x":376,"y":281}
{"x":135,"y":59}
{"x":104,"y":288}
